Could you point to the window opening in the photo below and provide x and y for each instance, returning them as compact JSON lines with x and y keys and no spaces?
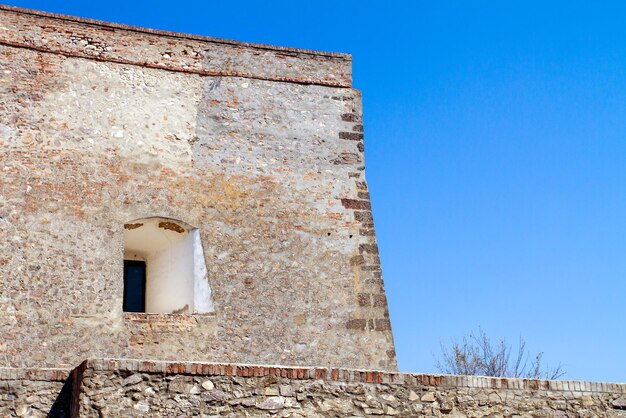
{"x":174,"y":271}
{"x":134,"y":286}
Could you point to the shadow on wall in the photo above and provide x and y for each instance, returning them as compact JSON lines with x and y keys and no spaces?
{"x":62,"y":406}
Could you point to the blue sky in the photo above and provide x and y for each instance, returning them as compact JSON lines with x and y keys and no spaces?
{"x":496,"y":158}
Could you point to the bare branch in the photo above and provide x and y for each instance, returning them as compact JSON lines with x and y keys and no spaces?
{"x":477,"y":355}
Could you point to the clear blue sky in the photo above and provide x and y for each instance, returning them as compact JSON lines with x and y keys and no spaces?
{"x":496,"y":158}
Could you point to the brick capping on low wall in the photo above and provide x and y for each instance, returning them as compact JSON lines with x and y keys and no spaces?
{"x":33,"y":374}
{"x":324,"y":373}
{"x":124,"y":387}
{"x":349,"y":375}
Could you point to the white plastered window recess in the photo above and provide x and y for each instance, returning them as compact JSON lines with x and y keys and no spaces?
{"x":164,"y":268}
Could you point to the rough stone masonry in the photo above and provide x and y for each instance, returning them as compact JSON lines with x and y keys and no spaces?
{"x":254,"y":155}
{"x":258,"y":147}
{"x":128,"y":388}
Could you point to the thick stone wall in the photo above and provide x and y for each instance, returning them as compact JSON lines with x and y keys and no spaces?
{"x":35,"y":392}
{"x":135,"y":388}
{"x":259,"y":148}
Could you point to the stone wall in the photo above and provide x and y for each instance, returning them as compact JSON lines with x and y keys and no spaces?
{"x":135,"y":388}
{"x":113,"y":388}
{"x":260,"y":148}
{"x":35,"y":392}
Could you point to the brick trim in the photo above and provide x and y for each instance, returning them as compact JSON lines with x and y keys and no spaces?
{"x":306,"y":373}
{"x":46,"y":374}
{"x":350,"y":375}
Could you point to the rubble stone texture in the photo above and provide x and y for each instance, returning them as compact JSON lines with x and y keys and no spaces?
{"x":253,"y":391}
{"x":35,"y":393}
{"x":132,"y":388}
{"x":259,"y":147}
{"x":260,"y":150}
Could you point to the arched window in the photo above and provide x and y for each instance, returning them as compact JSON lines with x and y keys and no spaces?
{"x":164,"y":268}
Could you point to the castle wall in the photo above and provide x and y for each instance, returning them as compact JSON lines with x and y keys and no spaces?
{"x":126,"y":388}
{"x":259,"y":148}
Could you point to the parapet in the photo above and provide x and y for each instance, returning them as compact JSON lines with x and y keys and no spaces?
{"x":87,"y":38}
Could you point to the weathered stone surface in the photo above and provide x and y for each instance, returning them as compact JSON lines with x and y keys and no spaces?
{"x":619,"y":403}
{"x":349,"y":393}
{"x":139,"y":388}
{"x":428,"y":397}
{"x":271,"y":391}
{"x":342,"y":406}
{"x":133,"y":379}
{"x":272,"y":403}
{"x":286,"y":390}
{"x":208,"y":385}
{"x":101,"y":125}
{"x":34,"y":393}
{"x":261,"y":149}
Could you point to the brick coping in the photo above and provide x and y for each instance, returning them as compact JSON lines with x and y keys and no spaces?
{"x":310,"y":373}
{"x":95,"y":22}
{"x":148,"y":316}
{"x":35,"y":374}
{"x":348,"y":375}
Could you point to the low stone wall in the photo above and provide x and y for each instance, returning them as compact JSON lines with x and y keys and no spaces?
{"x":146,"y":388}
{"x":112,"y":388}
{"x":34,"y":392}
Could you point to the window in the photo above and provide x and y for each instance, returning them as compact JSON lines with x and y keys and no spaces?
{"x":134,"y":286}
{"x":164,"y":268}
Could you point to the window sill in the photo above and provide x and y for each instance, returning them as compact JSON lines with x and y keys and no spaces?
{"x":160,"y":321}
